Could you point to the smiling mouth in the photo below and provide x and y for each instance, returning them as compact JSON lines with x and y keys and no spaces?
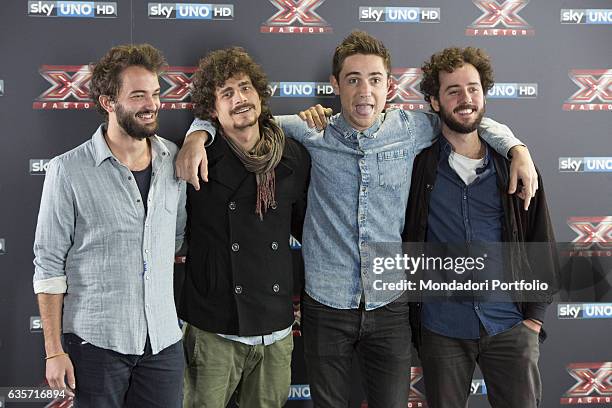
{"x":465,"y":110}
{"x":146,"y":115}
{"x":242,"y":109}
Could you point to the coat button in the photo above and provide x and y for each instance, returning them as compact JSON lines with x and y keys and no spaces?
{"x":273,"y":205}
{"x":235,"y":247}
{"x":238,"y":289}
{"x":276,"y":287}
{"x":232,"y":205}
{"x":274,"y":246}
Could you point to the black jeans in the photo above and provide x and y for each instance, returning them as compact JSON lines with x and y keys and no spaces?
{"x":105,"y":378}
{"x":508,"y":361}
{"x":381,"y":339}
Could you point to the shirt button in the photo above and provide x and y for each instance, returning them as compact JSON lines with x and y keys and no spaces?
{"x":364,"y":189}
{"x":276,"y":287}
{"x":147,"y":277}
{"x":274,"y":246}
{"x":238,"y":289}
{"x":362,"y":162}
{"x":146,"y":251}
{"x":235,"y":247}
{"x":129,"y":177}
{"x":476,"y":307}
{"x":163,"y":153}
{"x":465,"y":197}
{"x":273,"y":205}
{"x":232,"y":205}
{"x":138,"y":200}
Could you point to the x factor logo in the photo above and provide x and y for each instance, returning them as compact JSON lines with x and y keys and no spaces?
{"x":416,"y":397}
{"x":593,"y":384}
{"x":70,"y":87}
{"x":594,"y":235}
{"x":403,"y":92}
{"x":296,"y":17}
{"x":500,"y":19}
{"x":594,"y":90}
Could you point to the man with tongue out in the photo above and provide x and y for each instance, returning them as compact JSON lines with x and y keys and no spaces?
{"x":111,"y":217}
{"x":360,"y":180}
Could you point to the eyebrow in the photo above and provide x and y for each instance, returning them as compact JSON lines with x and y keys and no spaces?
{"x":359,"y":73}
{"x":227,"y":88}
{"x":143,"y":91}
{"x":457,"y":85}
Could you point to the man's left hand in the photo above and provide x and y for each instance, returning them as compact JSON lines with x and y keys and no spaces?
{"x":536,"y":327}
{"x":523,"y":169}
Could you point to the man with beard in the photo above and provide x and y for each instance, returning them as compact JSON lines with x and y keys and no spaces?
{"x":111,"y":217}
{"x":360,"y":180}
{"x":459,"y":195}
{"x":237,"y":296}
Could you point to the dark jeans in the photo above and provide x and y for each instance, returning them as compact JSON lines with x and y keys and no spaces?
{"x":381,"y":339}
{"x":508,"y":361}
{"x":105,"y":378}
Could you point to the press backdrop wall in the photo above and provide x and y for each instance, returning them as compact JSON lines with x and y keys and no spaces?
{"x":553,"y":68}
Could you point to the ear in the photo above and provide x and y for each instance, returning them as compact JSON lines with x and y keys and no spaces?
{"x":334,"y":84}
{"x":107,"y":103}
{"x":435,"y":103}
{"x":213,"y":113}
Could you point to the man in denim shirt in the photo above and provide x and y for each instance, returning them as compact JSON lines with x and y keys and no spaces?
{"x":111,"y":217}
{"x":360,"y":180}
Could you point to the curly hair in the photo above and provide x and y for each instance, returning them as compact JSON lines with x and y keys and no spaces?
{"x":450,"y":59}
{"x":215,"y":69}
{"x":106,"y":73}
{"x":359,"y":42}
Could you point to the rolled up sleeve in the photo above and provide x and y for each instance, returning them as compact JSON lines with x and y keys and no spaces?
{"x":54,"y":231}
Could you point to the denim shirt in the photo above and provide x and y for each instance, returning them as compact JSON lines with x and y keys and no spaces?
{"x":113,"y":262}
{"x":359,"y":185}
{"x":468,"y":213}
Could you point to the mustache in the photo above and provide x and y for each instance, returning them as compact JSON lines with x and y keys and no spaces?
{"x":465,"y":106}
{"x":240,"y":107}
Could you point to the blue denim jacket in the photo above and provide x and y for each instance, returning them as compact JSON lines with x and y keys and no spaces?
{"x":358,"y":194}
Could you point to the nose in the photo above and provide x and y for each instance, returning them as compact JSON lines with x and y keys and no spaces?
{"x":239,"y":97}
{"x":151,"y":102}
{"x":365,"y":89}
{"x":465,"y":96}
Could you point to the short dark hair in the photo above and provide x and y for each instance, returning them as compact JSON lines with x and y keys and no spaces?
{"x":450,"y":59}
{"x":106,"y":73}
{"x":215,"y":69}
{"x":359,"y":42}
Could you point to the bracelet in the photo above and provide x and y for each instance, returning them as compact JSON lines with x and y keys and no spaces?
{"x":55,"y":355}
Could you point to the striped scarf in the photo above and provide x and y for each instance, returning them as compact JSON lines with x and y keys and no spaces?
{"x":262,"y":160}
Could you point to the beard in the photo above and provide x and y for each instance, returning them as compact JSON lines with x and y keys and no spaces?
{"x":128,"y":122}
{"x":455,"y":125}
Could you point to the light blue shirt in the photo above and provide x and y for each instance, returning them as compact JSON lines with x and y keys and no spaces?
{"x":359,"y":185}
{"x":113,"y":262}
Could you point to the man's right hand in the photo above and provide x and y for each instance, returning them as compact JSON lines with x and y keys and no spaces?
{"x":316,"y":116}
{"x":58,"y":368}
{"x":191,"y":158}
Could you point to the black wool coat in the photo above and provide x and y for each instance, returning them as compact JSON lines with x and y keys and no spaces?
{"x":239,"y":269}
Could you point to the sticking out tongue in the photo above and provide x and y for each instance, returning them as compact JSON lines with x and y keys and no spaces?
{"x":364,"y":109}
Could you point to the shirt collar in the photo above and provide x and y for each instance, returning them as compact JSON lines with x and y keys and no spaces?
{"x":103,"y":152}
{"x":446,"y":148}
{"x":341,"y":125}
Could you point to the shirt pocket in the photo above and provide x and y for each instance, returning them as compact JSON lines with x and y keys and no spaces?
{"x":393,"y":168}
